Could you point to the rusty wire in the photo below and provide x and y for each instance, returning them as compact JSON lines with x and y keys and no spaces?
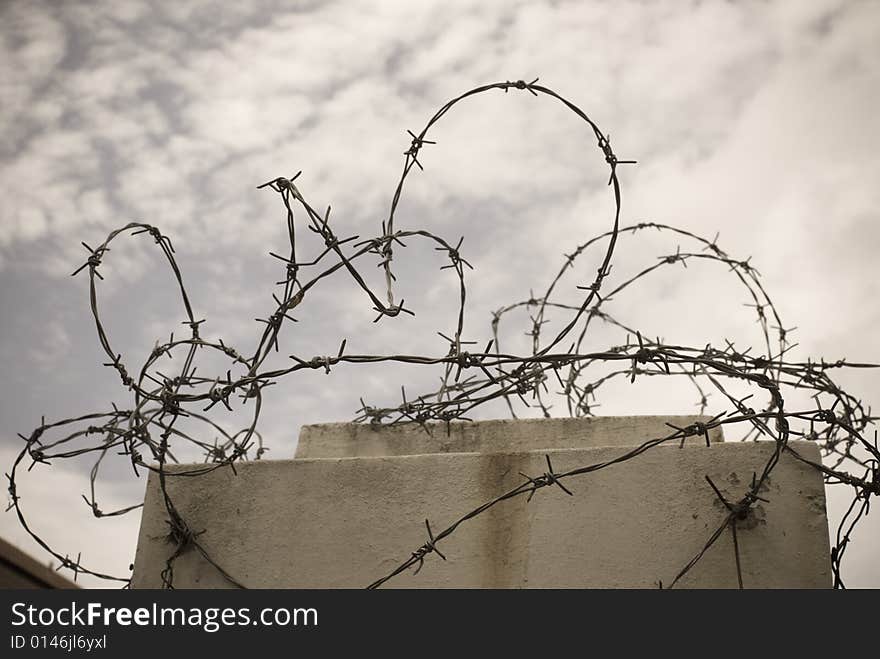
{"x":147,"y":432}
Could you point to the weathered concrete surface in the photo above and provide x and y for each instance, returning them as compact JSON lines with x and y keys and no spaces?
{"x":340,"y":440}
{"x":348,"y":521}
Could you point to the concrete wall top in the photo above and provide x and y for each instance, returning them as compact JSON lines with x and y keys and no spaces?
{"x":338,"y":440}
{"x":343,"y":523}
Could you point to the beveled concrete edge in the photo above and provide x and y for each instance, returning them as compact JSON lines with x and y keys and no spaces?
{"x":339,"y":439}
{"x":802,"y":447}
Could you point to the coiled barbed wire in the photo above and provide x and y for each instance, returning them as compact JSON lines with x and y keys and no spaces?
{"x":147,"y":432}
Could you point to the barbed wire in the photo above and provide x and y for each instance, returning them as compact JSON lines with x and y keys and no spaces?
{"x":147,"y":433}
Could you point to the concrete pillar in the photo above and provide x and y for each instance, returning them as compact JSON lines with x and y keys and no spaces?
{"x":351,"y":507}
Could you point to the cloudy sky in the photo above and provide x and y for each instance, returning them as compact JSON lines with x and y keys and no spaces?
{"x":753,"y":119}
